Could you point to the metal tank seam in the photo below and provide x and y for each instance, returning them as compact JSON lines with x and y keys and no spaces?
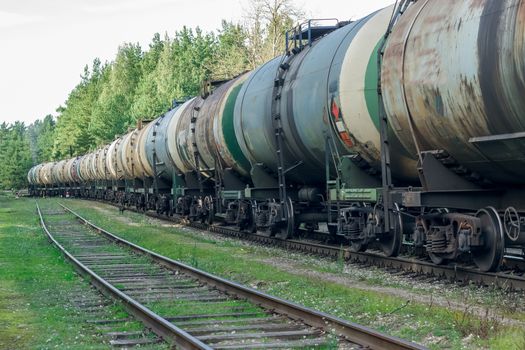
{"x":409,"y":113}
{"x":248,"y":83}
{"x":297,"y":143}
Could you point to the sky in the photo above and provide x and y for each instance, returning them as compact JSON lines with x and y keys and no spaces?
{"x":45,"y":44}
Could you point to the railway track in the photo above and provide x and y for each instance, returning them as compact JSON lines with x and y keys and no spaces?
{"x":193,"y":309}
{"x":509,"y":279}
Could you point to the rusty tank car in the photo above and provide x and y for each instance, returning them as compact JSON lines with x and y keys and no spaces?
{"x":403,"y":127}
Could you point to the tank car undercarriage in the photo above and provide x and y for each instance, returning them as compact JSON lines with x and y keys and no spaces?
{"x":418,"y":221}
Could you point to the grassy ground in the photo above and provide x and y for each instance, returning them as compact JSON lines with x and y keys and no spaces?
{"x":35,"y":283}
{"x":38,"y":288}
{"x":436,"y":326}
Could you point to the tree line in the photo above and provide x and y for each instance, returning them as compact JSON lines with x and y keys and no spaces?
{"x":141,"y":84}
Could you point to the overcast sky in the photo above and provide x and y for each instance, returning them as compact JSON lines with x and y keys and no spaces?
{"x":44,"y":44}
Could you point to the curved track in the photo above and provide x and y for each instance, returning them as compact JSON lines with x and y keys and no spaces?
{"x":511,"y":279}
{"x":241,"y":317}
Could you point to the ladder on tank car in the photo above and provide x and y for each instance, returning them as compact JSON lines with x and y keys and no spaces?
{"x":306,"y":33}
{"x":297,"y":39}
{"x":399,"y":9}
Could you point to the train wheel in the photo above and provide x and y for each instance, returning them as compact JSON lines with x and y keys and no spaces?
{"x":288,"y":231}
{"x":489,"y":257}
{"x":390,"y":244}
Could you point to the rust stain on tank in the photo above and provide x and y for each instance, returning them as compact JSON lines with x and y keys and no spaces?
{"x":454,"y":70}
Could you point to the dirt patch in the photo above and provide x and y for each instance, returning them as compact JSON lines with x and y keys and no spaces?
{"x":113,"y":212}
{"x":121,"y":218}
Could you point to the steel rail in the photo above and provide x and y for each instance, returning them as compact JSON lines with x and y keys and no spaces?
{"x":356,"y":333}
{"x":451,"y":272}
{"x":160,"y":326}
{"x":504,"y":280}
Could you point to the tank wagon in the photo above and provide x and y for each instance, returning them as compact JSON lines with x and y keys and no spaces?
{"x":404,"y":127}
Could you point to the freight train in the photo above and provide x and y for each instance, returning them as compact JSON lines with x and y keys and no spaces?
{"x":404,"y":127}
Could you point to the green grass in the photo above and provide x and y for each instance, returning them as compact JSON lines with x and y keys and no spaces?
{"x":37,"y":287}
{"x":436,"y":327}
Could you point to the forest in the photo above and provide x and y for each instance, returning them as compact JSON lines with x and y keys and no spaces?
{"x":141,"y":84}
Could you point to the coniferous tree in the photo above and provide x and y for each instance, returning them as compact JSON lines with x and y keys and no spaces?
{"x":15,"y":155}
{"x":231,"y":57}
{"x":112,"y":113}
{"x":41,"y":139}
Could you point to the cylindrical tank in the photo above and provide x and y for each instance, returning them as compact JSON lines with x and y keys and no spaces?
{"x":127,"y":155}
{"x":214,"y":135}
{"x":29,"y":179}
{"x":58,"y":171}
{"x":252,"y":115}
{"x":156,"y":148}
{"x":139,"y":171}
{"x":133,"y":154}
{"x":84,"y":172}
{"x":67,"y":171}
{"x":83,"y":168}
{"x":213,"y":132}
{"x":46,"y":174}
{"x":40,"y":174}
{"x":200,"y":141}
{"x":179,"y":137}
{"x":330,"y":88}
{"x":54,"y":173}
{"x":101,"y":163}
{"x":141,"y":150}
{"x":35,"y":174}
{"x":93,"y":165}
{"x":453,"y":78}
{"x":62,"y":179}
{"x":99,"y":153}
{"x":161,"y":133}
{"x":89,"y":173}
{"x":74,"y":170}
{"x":31,"y":175}
{"x":222,"y":136}
{"x":124,"y":165}
{"x":111,"y":159}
